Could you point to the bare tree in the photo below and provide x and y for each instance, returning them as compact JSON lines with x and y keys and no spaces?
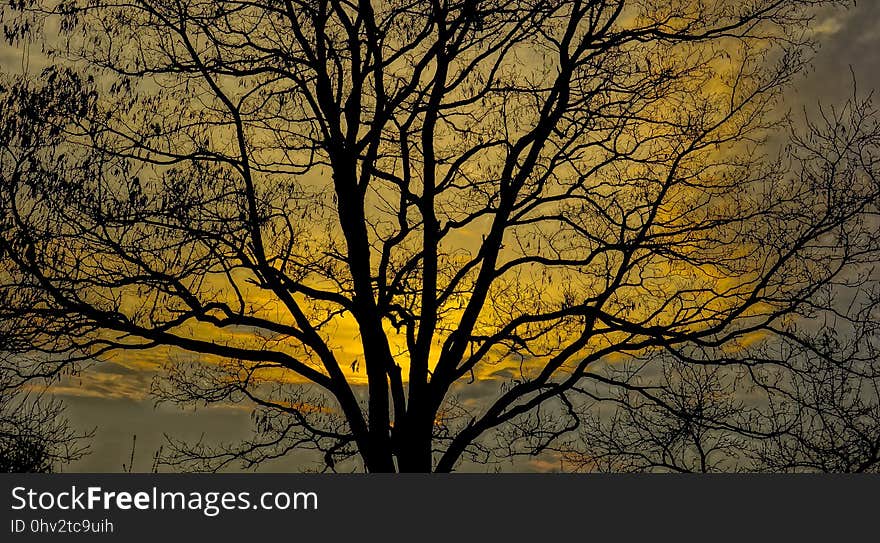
{"x":35,"y":435}
{"x":795,"y":406}
{"x":806,"y":397}
{"x":460,"y":189}
{"x":687,"y":419}
{"x":824,"y":416}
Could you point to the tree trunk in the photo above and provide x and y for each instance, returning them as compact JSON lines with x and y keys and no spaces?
{"x":378,"y":458}
{"x":415,"y":454}
{"x":414,"y":440}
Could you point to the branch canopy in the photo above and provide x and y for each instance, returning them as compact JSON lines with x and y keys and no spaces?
{"x":346,"y":213}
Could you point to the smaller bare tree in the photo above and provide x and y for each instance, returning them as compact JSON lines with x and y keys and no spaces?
{"x":35,"y":434}
{"x":804,"y":395}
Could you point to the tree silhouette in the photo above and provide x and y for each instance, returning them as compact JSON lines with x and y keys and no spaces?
{"x":35,"y":436}
{"x":360,"y":215}
{"x":807,"y":398}
{"x":811,"y":407}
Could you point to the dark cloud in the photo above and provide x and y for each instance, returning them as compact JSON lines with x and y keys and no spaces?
{"x":118,"y":420}
{"x":849,"y":43}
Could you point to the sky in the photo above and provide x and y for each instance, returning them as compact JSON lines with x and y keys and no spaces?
{"x":112,"y":398}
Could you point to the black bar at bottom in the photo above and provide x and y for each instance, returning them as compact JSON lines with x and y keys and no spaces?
{"x":454,"y":508}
